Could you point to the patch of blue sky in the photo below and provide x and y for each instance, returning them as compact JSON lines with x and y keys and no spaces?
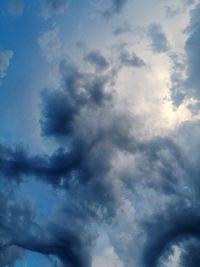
{"x":32,"y":260}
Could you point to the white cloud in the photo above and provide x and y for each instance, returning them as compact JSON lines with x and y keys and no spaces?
{"x":174,"y":258}
{"x":107,"y":259}
{"x":5,"y":58}
{"x":50,"y":44}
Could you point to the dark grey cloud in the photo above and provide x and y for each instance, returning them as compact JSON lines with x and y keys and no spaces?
{"x":175,"y":226}
{"x":91,"y":198}
{"x":159,"y":42}
{"x":54,"y":7}
{"x":81,"y":118}
{"x":177,"y":223}
{"x":93,"y":136}
{"x":97,"y":59}
{"x":90,"y":130}
{"x":116,"y":6}
{"x":79,"y":90}
{"x":190,"y":255}
{"x":10,"y":256}
{"x":63,"y":244}
{"x":20,"y":232}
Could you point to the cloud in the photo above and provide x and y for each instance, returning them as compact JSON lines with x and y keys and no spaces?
{"x":9,"y":256}
{"x":124,"y":28}
{"x":172,"y":12}
{"x":192,"y":50}
{"x":97,"y":59}
{"x":177,"y":222}
{"x":90,"y":188}
{"x":54,"y":7}
{"x":22,"y":213}
{"x":177,"y":78}
{"x":91,"y":131}
{"x":50,"y":45}
{"x":159,"y":42}
{"x":188,"y":2}
{"x":172,"y":230}
{"x":5,"y":58}
{"x":109,"y":258}
{"x":115,"y":8}
{"x":190,"y":255}
{"x":16,"y":7}
{"x":131,"y":60}
{"x":185,"y":73}
{"x":70,"y":115}
{"x":143,"y":194}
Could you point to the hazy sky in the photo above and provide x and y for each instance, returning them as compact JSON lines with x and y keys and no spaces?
{"x":99,"y":136}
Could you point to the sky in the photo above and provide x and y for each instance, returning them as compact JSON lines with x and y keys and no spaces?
{"x":99,"y":136}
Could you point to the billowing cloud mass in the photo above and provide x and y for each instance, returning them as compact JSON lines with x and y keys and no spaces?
{"x":112,"y":176}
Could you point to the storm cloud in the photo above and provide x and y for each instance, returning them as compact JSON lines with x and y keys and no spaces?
{"x":122,"y":188}
{"x":81,"y":116}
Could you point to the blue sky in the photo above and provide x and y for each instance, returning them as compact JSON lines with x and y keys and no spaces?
{"x":99,"y":136}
